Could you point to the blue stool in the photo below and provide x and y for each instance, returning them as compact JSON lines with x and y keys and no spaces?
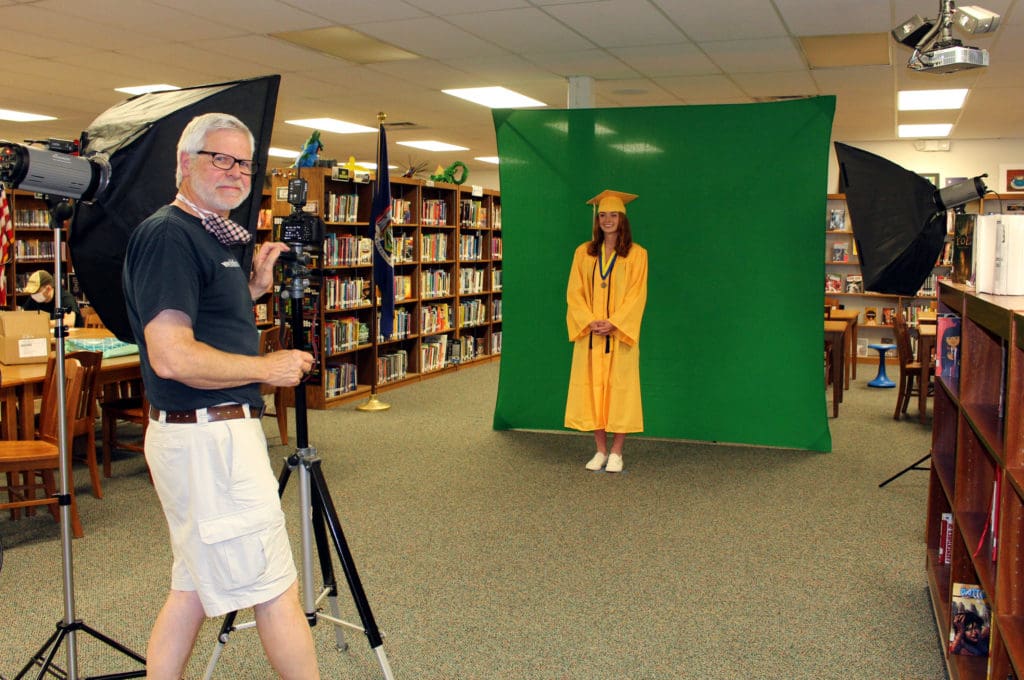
{"x":881,"y":380}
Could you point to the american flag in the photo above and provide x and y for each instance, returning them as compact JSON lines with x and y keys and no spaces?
{"x":6,"y":240}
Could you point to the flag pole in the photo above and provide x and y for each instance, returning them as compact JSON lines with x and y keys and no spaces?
{"x":373,"y":403}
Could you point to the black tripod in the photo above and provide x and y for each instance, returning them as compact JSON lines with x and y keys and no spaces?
{"x":318,"y":517}
{"x":916,"y":465}
{"x":61,"y":210}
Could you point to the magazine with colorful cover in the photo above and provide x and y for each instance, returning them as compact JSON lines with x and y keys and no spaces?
{"x":947,"y":355}
{"x":970,"y":621}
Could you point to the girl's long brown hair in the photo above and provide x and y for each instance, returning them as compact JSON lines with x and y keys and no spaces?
{"x":622,"y":246}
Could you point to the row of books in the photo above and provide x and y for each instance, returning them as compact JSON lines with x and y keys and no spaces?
{"x":471,"y":281}
{"x":340,"y":379}
{"x":436,"y":318}
{"x":346,"y":249}
{"x":471,"y":246}
{"x":496,"y":342}
{"x":37,"y":249}
{"x":345,"y":293}
{"x":947,"y":350}
{"x":435,"y":212}
{"x":434,"y":247}
{"x":472,"y":313}
{"x":392,"y":366}
{"x":495,"y":247}
{"x":341,"y":207}
{"x":472,"y":213}
{"x":496,"y":309}
{"x":31,"y":219}
{"x":401,"y":325}
{"x":434,"y":353}
{"x":344,"y":334}
{"x":854,"y":283}
{"x":435,"y":283}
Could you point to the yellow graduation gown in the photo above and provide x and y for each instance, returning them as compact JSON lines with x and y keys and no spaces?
{"x":604,"y":386}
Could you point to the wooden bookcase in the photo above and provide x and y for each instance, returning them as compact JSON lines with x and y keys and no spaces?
{"x":977,"y":437}
{"x":33,"y":247}
{"x":447,"y":283}
{"x":841,"y":260}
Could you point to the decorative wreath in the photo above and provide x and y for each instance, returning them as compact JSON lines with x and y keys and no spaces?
{"x":448,"y":174}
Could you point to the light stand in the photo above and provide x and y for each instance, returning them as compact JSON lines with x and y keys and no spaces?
{"x":316,"y":510}
{"x":61,"y":210}
{"x":916,"y":465}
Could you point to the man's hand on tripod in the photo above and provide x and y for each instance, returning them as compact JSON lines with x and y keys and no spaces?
{"x":287,"y":367}
{"x":262,"y":277}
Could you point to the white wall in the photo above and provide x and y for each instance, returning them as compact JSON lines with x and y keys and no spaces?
{"x":968,"y":158}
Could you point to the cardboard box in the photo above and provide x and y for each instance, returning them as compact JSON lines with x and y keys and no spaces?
{"x":24,"y":337}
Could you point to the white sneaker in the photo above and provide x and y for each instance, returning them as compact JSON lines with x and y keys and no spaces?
{"x":614,"y":463}
{"x":597,"y":462}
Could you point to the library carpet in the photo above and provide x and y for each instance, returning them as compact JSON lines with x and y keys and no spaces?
{"x":490,"y":555}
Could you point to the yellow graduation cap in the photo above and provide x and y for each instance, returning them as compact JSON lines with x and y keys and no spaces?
{"x":612,"y":201}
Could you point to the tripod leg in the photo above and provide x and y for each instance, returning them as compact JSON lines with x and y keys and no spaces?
{"x":913,"y":466}
{"x":327,"y":573}
{"x":222,"y":639}
{"x":322,"y":496}
{"x":38,"y":660}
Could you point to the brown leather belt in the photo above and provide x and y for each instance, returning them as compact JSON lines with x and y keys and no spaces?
{"x":213,"y":414}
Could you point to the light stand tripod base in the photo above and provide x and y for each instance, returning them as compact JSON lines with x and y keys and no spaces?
{"x":373,"y":404}
{"x":916,"y":465}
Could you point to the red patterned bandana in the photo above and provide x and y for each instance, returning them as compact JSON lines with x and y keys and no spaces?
{"x":228,"y":232}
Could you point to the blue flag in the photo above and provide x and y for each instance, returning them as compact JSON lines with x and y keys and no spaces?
{"x":383,"y":242}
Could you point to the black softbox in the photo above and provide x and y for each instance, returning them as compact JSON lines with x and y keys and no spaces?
{"x":140,"y":138}
{"x":897,"y":223}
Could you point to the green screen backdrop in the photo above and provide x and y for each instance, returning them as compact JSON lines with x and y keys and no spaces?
{"x":732,"y":209}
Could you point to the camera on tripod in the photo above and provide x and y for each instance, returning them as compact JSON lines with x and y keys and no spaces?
{"x":301,"y":231}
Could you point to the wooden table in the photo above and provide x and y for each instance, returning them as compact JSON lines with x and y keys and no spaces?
{"x":851,"y":317}
{"x":20,"y":382}
{"x":835,"y":331}
{"x":925,"y":349}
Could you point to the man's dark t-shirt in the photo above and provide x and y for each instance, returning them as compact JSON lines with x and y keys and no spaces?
{"x":173,"y":263}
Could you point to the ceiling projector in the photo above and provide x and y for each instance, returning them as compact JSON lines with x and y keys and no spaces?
{"x":935,"y":48}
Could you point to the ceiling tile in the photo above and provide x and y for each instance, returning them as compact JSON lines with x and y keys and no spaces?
{"x":755,"y":56}
{"x":683,"y":59}
{"x":735,"y":20}
{"x":618,"y":23}
{"x":522,"y":30}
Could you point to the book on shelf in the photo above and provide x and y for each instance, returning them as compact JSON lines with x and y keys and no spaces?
{"x":946,"y":538}
{"x":970,"y":620}
{"x":837,"y":219}
{"x":870,"y":316}
{"x":833,"y":283}
{"x":963,"y":247}
{"x":854,"y":283}
{"x":862,"y":347}
{"x":947,"y":363}
{"x":840,"y":251}
{"x":888,"y":315}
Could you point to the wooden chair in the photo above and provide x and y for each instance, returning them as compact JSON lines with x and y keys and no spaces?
{"x":122,"y":402}
{"x":271,"y":341}
{"x":910,"y":368}
{"x":24,"y":459}
{"x":85,"y":414}
{"x":92,"y":319}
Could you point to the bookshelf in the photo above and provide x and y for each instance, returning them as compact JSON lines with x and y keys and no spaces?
{"x":263,"y":308}
{"x":842,"y":272}
{"x":978,"y":438}
{"x":447,"y":283}
{"x":32,"y":248}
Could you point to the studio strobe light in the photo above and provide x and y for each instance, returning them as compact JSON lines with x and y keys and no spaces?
{"x":54,"y":171}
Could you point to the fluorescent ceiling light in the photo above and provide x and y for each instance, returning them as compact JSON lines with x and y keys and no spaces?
{"x":146,"y":89}
{"x":930,"y":100}
{"x":372,"y":165}
{"x":431,"y":145}
{"x":22,"y":117}
{"x":282,"y":153}
{"x":331,"y":125}
{"x":932,"y":130}
{"x":494,"y":97}
{"x":488,"y":159}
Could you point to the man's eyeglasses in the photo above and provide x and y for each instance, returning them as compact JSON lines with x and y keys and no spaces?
{"x":222,"y":161}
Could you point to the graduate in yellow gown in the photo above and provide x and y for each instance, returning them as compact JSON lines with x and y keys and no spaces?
{"x":606,"y":296}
